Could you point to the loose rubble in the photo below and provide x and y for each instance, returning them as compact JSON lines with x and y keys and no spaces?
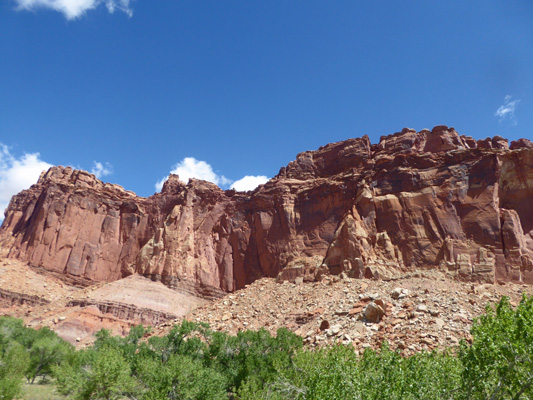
{"x":422,"y":311}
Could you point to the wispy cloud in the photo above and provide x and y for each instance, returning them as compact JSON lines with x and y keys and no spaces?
{"x":100,"y":170}
{"x":73,"y":9}
{"x":506,"y":112}
{"x":190,"y":167}
{"x":17,"y":174}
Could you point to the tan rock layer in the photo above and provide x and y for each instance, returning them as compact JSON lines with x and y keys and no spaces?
{"x":428,"y":199}
{"x":126,"y":312}
{"x":9,"y":298}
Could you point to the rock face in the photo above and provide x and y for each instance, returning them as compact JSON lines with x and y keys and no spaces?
{"x":428,"y":199}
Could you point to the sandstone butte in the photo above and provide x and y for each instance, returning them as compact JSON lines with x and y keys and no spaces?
{"x":416,"y":200}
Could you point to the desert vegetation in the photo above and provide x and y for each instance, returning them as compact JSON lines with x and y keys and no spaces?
{"x":193,"y":362}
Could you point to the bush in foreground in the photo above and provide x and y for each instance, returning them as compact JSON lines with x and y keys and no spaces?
{"x":192,"y":362}
{"x":499,"y":363}
{"x":27,"y":352}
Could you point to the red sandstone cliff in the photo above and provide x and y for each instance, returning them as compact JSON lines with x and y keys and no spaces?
{"x":415,"y":200}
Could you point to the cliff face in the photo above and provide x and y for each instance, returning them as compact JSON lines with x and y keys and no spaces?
{"x":415,"y":200}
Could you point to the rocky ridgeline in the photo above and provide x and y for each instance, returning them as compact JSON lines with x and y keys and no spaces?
{"x":416,"y":200}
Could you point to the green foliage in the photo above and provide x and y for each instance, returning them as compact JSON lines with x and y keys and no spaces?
{"x":26,"y":352}
{"x":220,"y":359}
{"x":13,"y":362}
{"x":14,"y":359}
{"x":129,"y":346}
{"x":192,"y":362}
{"x":13,"y":330}
{"x":101,"y":373}
{"x":422,"y":376}
{"x":173,"y":366}
{"x":252,"y":357}
{"x":43,"y":347}
{"x":499,"y":363}
{"x":188,"y":338}
{"x":339,"y":373}
{"x":181,"y":377}
{"x":46,"y":350}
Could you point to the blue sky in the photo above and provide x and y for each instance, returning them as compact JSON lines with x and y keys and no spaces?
{"x":131,"y":89}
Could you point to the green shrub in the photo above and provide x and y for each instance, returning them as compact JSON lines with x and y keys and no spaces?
{"x":192,"y":362}
{"x":13,"y":362}
{"x":252,"y":357}
{"x":499,"y":363}
{"x":180,"y":377}
{"x":337,"y":372}
{"x":98,"y":374}
{"x":46,"y":350}
{"x":43,"y":347}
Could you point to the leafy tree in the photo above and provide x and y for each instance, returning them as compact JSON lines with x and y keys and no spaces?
{"x":44,"y":347}
{"x":252,"y":357}
{"x":129,"y":346}
{"x":46,"y":350}
{"x":192,"y":362}
{"x":339,"y":373}
{"x":98,"y":374}
{"x":70,"y":373}
{"x":499,"y":363}
{"x":13,"y":362}
{"x":181,"y":377}
{"x":188,"y":338}
{"x":13,"y":329}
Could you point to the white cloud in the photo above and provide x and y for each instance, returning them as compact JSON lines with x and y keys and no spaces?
{"x":17,"y":174}
{"x":100,"y":170}
{"x":249,"y":182}
{"x":190,"y":167}
{"x":73,"y":9}
{"x":507,"y":110}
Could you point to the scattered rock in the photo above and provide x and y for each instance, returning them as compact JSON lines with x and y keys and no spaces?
{"x":422,"y":308}
{"x":373,"y":312}
{"x":335,"y":329}
{"x":399,"y":293}
{"x":226,"y":317}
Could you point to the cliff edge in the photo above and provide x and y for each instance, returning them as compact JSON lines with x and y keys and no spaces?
{"x":416,"y":200}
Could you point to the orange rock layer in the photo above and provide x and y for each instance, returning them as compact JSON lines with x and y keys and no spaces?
{"x":428,"y":199}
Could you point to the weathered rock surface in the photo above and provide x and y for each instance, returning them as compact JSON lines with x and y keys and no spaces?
{"x":428,"y":199}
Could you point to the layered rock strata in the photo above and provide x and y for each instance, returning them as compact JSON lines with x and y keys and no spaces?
{"x":126,"y":312}
{"x":428,"y":199}
{"x":9,"y":299}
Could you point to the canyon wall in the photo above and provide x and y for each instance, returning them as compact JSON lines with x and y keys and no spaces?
{"x":428,"y":199}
